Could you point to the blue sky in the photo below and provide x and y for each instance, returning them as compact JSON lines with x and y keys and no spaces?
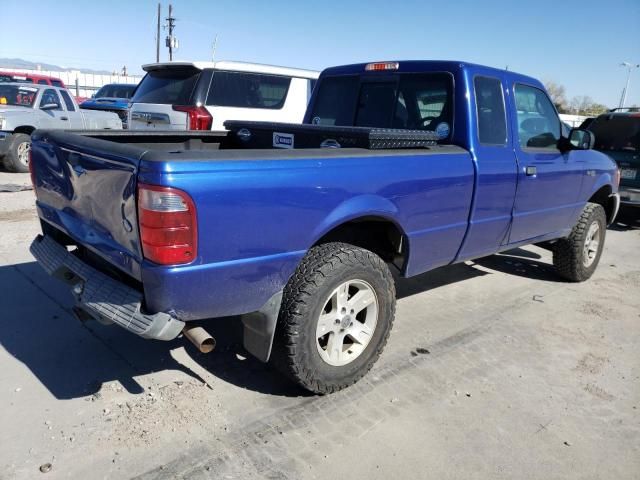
{"x":576,"y":43}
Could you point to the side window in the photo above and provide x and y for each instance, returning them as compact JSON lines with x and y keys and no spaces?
{"x":67,"y":101}
{"x":57,"y":83}
{"x":50,"y":96}
{"x":248,"y":90}
{"x":42,"y":82}
{"x":538,"y":122}
{"x":492,"y":124}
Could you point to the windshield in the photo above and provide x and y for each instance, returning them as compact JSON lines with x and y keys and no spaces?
{"x":115,"y":91}
{"x":17,"y":95}
{"x":405,"y":101}
{"x":169,"y":86}
{"x":617,"y":132}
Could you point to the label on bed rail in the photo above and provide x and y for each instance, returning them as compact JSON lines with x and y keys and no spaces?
{"x":282,"y":140}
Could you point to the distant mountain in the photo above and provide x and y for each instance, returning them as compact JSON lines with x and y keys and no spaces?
{"x":20,"y":63}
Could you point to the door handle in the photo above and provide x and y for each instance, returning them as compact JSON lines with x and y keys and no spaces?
{"x":531,"y":171}
{"x":64,"y":118}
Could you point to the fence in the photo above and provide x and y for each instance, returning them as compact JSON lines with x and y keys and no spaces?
{"x":80,"y":84}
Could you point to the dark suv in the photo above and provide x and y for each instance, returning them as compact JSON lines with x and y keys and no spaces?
{"x":617,"y":133}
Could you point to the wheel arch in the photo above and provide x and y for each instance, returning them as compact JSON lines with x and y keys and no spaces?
{"x":369,"y":222}
{"x":603,"y":196}
{"x":26,"y":129}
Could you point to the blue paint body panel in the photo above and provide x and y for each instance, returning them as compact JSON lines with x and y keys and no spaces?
{"x":259,"y":214}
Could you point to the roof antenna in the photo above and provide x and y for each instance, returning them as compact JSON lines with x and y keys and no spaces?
{"x":213,"y":51}
{"x":507,"y":68}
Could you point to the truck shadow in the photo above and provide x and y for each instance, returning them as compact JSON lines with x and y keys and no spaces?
{"x":521,"y":263}
{"x":73,"y":359}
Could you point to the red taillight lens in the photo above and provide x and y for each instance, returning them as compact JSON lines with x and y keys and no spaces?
{"x":168,"y":225}
{"x":198,"y":118}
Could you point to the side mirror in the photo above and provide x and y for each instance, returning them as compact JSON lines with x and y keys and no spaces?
{"x":49,"y":106}
{"x":581,"y":139}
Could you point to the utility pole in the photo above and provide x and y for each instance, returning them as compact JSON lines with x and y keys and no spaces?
{"x":172,"y":42}
{"x":158,"y":37}
{"x":625,"y":90}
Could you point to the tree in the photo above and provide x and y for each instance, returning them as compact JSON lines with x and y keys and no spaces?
{"x":584,"y":105}
{"x":558,"y":95}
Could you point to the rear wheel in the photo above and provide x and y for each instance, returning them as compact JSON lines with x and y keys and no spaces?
{"x":336,"y":316}
{"x":17,"y":157}
{"x":576,"y":257}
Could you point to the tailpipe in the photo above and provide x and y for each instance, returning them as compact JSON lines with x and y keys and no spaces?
{"x":200,"y":338}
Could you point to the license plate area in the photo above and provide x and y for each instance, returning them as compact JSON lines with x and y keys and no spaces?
{"x":628,"y":173}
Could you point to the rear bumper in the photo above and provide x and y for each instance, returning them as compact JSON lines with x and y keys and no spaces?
{"x":629,"y":196}
{"x":102,"y":297}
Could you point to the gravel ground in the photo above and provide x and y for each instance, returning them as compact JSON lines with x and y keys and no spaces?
{"x":495,"y":369}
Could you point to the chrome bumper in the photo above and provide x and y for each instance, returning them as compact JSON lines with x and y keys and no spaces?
{"x":100,"y":296}
{"x":630,"y":196}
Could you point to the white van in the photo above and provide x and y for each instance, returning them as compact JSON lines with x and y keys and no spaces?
{"x":203,"y":95}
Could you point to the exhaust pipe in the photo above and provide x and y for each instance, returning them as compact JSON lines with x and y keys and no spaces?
{"x":200,"y":338}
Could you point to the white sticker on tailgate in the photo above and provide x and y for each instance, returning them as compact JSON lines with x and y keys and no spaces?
{"x":282,"y":140}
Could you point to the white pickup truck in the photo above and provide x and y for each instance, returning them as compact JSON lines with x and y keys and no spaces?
{"x":24,"y":108}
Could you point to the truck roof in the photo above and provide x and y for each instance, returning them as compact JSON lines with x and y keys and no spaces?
{"x":237,"y":67}
{"x":417,"y":66}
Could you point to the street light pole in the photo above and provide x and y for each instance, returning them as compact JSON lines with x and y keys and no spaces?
{"x":625,"y":90}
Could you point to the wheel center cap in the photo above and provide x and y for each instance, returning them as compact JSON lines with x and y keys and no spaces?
{"x":345,"y":322}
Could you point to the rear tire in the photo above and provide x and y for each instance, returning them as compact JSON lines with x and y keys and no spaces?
{"x":336,"y":315}
{"x":576,"y":257}
{"x":17,"y":157}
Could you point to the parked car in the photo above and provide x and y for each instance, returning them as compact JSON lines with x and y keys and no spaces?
{"x":113,"y":97}
{"x":203,"y":95}
{"x":618,"y":135}
{"x":23,"y":108}
{"x":421,"y":171}
{"x":22,"y":77}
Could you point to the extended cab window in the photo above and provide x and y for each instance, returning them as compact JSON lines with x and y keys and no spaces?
{"x":50,"y":96}
{"x":405,"y":101}
{"x":168,"y":86}
{"x":67,"y":101}
{"x":248,"y":90}
{"x":538,"y":122}
{"x":57,"y":83}
{"x":492,"y":124}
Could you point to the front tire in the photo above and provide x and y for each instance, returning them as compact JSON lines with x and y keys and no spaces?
{"x":336,"y":315}
{"x":17,"y":157}
{"x":576,"y":257}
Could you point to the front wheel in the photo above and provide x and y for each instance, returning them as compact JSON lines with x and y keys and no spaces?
{"x":576,"y":257}
{"x":17,"y":157}
{"x":336,"y":315}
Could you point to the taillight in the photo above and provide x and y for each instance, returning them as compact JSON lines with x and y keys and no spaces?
{"x":168,"y":225}
{"x":198,"y":118}
{"x":617,"y":178}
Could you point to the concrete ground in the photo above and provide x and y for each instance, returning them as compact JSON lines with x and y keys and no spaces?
{"x":494,"y":369}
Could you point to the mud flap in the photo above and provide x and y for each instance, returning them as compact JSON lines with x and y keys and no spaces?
{"x":259,"y":328}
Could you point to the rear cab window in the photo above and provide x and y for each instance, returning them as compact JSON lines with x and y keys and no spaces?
{"x":168,"y":86}
{"x":67,"y":101}
{"x":415,"y":101}
{"x":248,"y":90}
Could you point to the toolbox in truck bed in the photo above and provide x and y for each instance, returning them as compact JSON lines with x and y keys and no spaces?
{"x":246,"y":134}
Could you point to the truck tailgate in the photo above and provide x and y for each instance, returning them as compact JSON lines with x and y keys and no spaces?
{"x":86,"y":188}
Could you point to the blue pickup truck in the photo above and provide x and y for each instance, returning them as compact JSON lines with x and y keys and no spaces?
{"x":403,"y":166}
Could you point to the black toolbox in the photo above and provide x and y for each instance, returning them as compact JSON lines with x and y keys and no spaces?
{"x":246,"y":134}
